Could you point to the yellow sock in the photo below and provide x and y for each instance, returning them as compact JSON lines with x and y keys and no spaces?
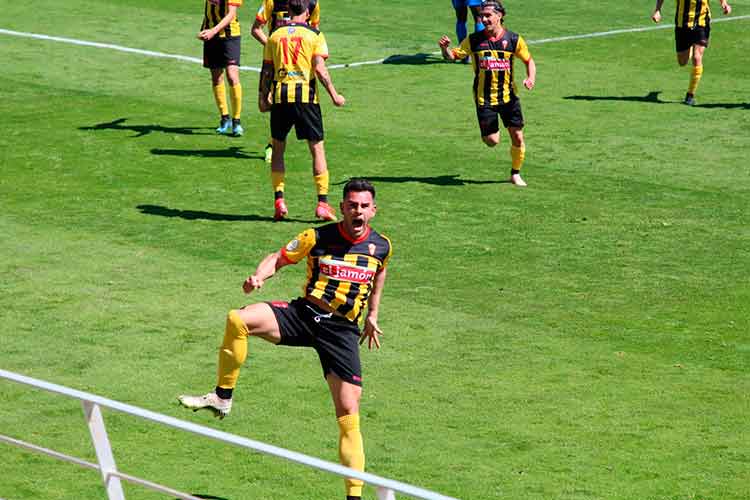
{"x":351,"y":451}
{"x":517,"y":155}
{"x":233,"y":351}
{"x":695,"y":78}
{"x":235,"y":94}
{"x":221,"y":98}
{"x":321,"y":183}
{"x":277,"y":180}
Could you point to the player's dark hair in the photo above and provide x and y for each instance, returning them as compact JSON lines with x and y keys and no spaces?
{"x":297,"y":7}
{"x":358,"y":184}
{"x":495,"y":5}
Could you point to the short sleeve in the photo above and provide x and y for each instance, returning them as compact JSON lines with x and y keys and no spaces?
{"x":387,"y":257}
{"x":463,"y":50}
{"x":261,"y":15}
{"x":299,"y":247}
{"x":315,"y":16}
{"x":321,"y":47}
{"x":522,"y":50}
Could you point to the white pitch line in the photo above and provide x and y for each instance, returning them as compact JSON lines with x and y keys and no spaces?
{"x":627,"y":30}
{"x":152,"y":53}
{"x":120,"y":48}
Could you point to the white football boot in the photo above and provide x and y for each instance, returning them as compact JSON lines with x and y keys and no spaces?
{"x":220,"y":407}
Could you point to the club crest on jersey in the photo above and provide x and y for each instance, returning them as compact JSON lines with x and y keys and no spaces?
{"x":371,"y":248}
{"x":505,"y":44}
{"x":290,"y":30}
{"x":342,"y":271}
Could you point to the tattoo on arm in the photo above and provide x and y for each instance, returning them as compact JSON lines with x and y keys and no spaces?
{"x":266,"y":78}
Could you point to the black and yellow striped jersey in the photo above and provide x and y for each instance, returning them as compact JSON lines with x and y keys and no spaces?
{"x":692,"y":13}
{"x":275,"y":13}
{"x":340,"y":271}
{"x":291,"y":49}
{"x":492,"y":60}
{"x":215,"y":11}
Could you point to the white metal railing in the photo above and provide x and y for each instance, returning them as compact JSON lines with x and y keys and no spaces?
{"x":92,"y":404}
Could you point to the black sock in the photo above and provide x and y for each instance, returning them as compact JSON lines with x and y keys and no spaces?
{"x":223,"y":393}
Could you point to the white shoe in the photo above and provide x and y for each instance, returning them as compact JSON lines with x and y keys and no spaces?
{"x":516,"y":180}
{"x":210,"y":401}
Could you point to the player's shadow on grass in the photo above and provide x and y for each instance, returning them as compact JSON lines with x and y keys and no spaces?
{"x":439,"y":180}
{"x":415,"y":59}
{"x":724,"y":105}
{"x":652,"y":97}
{"x":142,"y":130}
{"x":212,"y":216}
{"x":230,"y":152}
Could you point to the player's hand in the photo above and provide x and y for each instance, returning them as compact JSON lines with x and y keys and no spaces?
{"x":206,"y":35}
{"x":371,"y":333}
{"x":444,"y":42}
{"x":656,"y":16}
{"x":338,"y":100}
{"x":264,"y":103}
{"x":528,"y":83}
{"x":726,"y":8}
{"x":252,"y":283}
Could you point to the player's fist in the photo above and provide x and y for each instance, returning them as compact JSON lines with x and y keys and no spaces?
{"x":252,"y":283}
{"x":656,"y":16}
{"x":338,"y":100}
{"x":444,"y":42}
{"x":726,"y":8}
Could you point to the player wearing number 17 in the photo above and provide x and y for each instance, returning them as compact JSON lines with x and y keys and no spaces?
{"x":293,"y":62}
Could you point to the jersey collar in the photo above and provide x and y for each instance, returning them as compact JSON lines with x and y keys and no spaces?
{"x":348,"y":238}
{"x":496,"y":38}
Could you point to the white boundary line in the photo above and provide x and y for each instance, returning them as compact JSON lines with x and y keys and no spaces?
{"x":151,"y":53}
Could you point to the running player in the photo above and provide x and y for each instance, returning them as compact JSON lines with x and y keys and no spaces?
{"x":692,"y":29}
{"x":492,"y":52}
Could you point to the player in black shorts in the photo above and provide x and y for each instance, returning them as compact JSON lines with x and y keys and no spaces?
{"x":492,"y":52}
{"x":220,"y":33}
{"x":346,"y":269}
{"x":692,"y":30}
{"x":293,"y":68}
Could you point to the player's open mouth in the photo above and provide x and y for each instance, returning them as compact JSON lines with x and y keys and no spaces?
{"x":357,"y":223}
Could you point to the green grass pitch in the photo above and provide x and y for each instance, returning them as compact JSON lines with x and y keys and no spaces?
{"x":585,"y":338}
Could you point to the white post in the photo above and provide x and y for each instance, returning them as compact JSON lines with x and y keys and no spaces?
{"x":104,"y":454}
{"x":385,"y":493}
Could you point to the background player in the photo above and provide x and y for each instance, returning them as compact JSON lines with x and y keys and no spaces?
{"x":692,"y":21}
{"x":492,"y":52}
{"x":293,"y":62}
{"x":275,"y":13}
{"x":346,"y":269}
{"x":221,"y":37}
{"x":462,"y":8}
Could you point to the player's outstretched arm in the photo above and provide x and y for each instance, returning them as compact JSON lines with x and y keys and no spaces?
{"x":444,"y":44}
{"x":267,"y":268}
{"x":321,"y":72}
{"x":372,"y":331}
